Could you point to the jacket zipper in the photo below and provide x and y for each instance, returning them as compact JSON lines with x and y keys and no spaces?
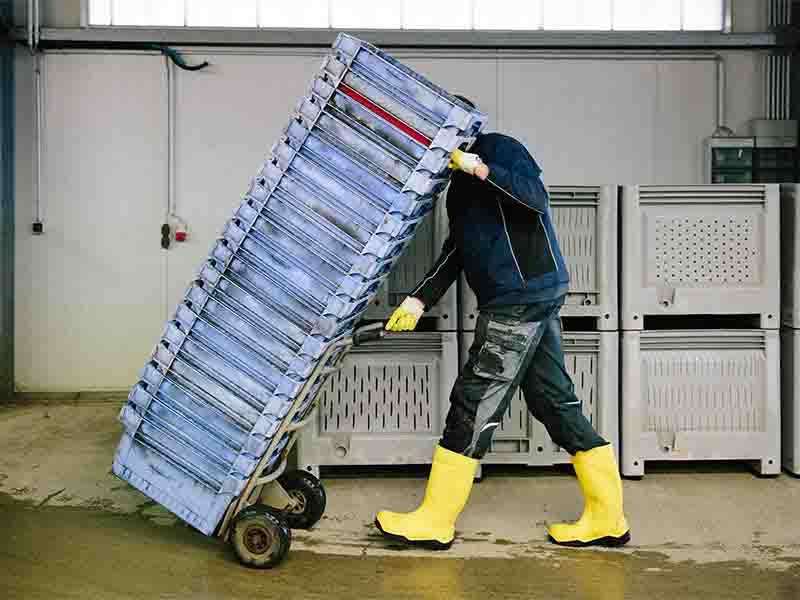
{"x":508,"y":238}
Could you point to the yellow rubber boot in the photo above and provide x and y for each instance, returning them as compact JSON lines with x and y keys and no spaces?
{"x":433,"y":524}
{"x":603,"y":521}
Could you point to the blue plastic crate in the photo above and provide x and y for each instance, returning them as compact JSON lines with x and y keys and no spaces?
{"x":358,"y":167}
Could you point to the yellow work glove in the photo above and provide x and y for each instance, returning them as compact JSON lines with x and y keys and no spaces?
{"x":406,"y":316}
{"x":464,"y":161}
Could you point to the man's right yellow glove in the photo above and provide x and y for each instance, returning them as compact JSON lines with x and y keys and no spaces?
{"x":464,"y":161}
{"x":469,"y":163}
{"x":406,"y":316}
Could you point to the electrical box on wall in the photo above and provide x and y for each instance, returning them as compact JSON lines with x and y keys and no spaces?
{"x":729,"y":160}
{"x":769,"y":156}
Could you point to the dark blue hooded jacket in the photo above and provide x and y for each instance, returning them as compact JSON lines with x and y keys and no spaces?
{"x":502,"y":237}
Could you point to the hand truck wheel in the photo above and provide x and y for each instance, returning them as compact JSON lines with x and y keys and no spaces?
{"x":309,"y":497}
{"x":260,"y":537}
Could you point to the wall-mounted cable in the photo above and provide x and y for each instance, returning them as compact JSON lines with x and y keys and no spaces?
{"x":174,"y":227}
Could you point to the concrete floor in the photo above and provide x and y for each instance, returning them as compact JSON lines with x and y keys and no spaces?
{"x":73,"y":530}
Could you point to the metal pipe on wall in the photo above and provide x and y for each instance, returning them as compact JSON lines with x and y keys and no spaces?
{"x":770,"y":110}
{"x":34,"y":31}
{"x":511,"y":54}
{"x":727,"y":16}
{"x":38,"y":108}
{"x":37,"y":23}
{"x":170,"y":183}
{"x":29,"y":19}
{"x":721,"y":130}
{"x":172,"y":202}
{"x":39,"y":130}
{"x":170,"y":138}
{"x":784,"y":87}
{"x":33,"y":24}
{"x":771,"y":89}
{"x":174,"y":227}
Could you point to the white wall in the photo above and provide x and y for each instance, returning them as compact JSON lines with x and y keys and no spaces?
{"x":88,"y":298}
{"x":92,"y":293}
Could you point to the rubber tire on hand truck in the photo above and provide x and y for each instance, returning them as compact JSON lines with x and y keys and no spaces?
{"x":260,"y":537}
{"x":309,"y":496}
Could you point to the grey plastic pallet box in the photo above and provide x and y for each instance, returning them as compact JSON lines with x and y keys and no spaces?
{"x":700,"y":250}
{"x":386,"y":406}
{"x":790,"y":255}
{"x":585,"y":220}
{"x":790,"y":399}
{"x":592,"y":360}
{"x":700,"y":395}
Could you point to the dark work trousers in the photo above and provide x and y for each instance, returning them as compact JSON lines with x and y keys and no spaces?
{"x":516,"y":346}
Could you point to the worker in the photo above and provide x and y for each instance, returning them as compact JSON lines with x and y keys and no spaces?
{"x":502,"y":237}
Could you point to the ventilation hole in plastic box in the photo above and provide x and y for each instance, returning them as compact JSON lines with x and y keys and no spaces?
{"x":722,"y":252}
{"x":380,"y":398}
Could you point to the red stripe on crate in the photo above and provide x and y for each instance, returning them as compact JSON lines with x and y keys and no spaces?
{"x":372,"y":107}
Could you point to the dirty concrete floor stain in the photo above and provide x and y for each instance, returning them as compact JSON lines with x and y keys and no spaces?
{"x":72,"y":530}
{"x":54,"y":552}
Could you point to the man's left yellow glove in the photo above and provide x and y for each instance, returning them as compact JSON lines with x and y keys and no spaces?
{"x":406,"y":316}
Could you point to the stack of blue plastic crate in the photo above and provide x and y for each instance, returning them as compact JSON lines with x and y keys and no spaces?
{"x":357,"y":169}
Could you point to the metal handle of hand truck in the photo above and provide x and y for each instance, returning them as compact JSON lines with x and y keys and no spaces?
{"x":369,"y":333}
